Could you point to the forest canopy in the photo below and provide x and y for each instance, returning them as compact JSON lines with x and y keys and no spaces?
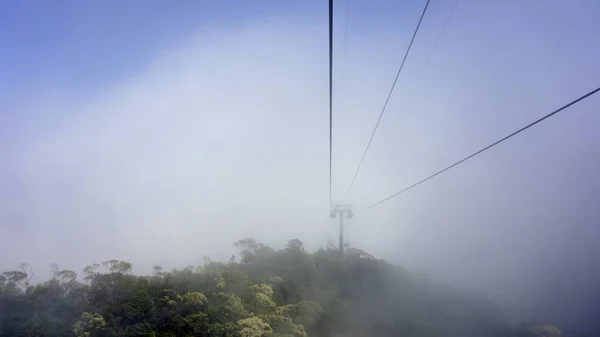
{"x":287,"y":292}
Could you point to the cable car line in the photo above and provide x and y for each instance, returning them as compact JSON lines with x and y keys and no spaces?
{"x":489,"y":146}
{"x":330,"y":95}
{"x":437,"y":40}
{"x":388,"y":97}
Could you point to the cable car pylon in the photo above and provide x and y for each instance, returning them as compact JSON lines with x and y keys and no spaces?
{"x":342,"y":210}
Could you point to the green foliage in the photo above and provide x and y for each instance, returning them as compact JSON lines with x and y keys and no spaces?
{"x":90,"y":325}
{"x":288,"y":292}
{"x":254,"y":327}
{"x":194,"y":299}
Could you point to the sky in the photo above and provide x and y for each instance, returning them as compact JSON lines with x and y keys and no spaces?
{"x":161,"y":132}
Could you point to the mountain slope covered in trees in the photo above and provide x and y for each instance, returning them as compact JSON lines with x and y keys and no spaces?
{"x":287,"y":292}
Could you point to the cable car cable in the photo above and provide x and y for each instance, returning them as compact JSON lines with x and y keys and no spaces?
{"x":330,"y":95}
{"x":489,"y":146}
{"x":388,"y":97}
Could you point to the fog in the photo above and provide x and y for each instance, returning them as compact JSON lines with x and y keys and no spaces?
{"x":220,"y":132}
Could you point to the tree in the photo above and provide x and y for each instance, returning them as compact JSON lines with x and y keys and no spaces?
{"x":28,"y":275}
{"x":90,"y":325}
{"x":90,"y":272}
{"x":250,"y":249}
{"x":67,"y":276}
{"x":194,"y":299}
{"x":16,"y":278}
{"x":116,"y":266}
{"x":287,"y":292}
{"x":295,"y":246}
{"x":254,"y":327}
{"x":54,"y":269}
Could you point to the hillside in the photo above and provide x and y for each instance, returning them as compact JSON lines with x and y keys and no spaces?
{"x":287,"y":292}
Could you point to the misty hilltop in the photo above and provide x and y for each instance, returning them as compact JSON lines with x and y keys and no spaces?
{"x":286,"y":292}
{"x":156,"y":133}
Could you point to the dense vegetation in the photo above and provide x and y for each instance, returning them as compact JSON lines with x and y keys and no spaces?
{"x":288,"y":292}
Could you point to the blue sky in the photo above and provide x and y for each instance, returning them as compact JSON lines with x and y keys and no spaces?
{"x":82,"y":45}
{"x":75,"y":48}
{"x":130,"y":125}
{"x":85,"y":44}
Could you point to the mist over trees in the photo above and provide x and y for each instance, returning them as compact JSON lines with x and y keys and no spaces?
{"x":287,"y":292}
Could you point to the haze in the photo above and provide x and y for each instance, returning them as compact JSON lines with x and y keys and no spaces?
{"x":160,"y":133}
